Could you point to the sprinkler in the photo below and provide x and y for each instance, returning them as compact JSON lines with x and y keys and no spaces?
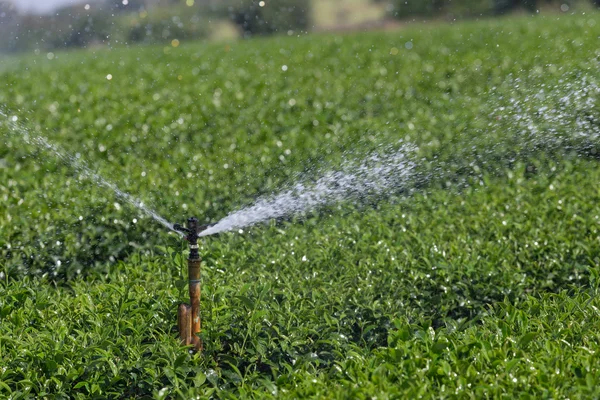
{"x":188,"y":315}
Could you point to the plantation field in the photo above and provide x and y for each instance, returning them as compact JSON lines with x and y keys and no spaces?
{"x":478,"y":277}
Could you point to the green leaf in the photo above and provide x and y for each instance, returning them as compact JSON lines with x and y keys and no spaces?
{"x":199,"y":379}
{"x":511,"y":364}
{"x":526,"y":339}
{"x":246,"y":301}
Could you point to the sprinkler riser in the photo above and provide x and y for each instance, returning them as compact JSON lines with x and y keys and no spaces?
{"x":194,"y":288}
{"x":188,"y":315}
{"x":189,"y":322}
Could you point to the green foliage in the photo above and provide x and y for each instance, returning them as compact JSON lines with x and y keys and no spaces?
{"x":62,"y":29}
{"x":404,"y":9}
{"x":267,"y":17}
{"x":102,"y":25}
{"x":479,"y":280}
{"x":503,"y":6}
{"x":163,"y":25}
{"x":415,"y":8}
{"x":468,"y":8}
{"x":451,"y":9}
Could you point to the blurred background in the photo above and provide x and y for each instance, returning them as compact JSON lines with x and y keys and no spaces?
{"x":27,"y":25}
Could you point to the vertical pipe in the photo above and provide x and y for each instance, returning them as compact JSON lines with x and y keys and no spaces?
{"x":194,"y":277}
{"x":184,"y":324}
{"x":190,"y":315}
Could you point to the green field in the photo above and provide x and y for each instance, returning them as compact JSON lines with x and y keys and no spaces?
{"x":477,"y":279}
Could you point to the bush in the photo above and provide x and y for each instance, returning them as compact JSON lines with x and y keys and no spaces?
{"x":503,"y":6}
{"x":66,"y":28}
{"x":403,"y":9}
{"x":73,"y":27}
{"x":263,"y":18}
{"x":416,"y":8}
{"x":164,"y":24}
{"x":470,"y":8}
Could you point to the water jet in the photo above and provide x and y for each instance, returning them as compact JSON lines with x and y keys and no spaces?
{"x":189,"y":322}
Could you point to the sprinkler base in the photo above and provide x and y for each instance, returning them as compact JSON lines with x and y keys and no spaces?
{"x":184,"y":325}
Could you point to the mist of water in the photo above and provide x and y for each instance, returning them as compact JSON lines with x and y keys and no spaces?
{"x":564,"y":115}
{"x":80,"y":166}
{"x":539,"y":117}
{"x":389,"y":169}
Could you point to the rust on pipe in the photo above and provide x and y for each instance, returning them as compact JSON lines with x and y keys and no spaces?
{"x":184,"y":324}
{"x":194,"y":286}
{"x":192,"y":232}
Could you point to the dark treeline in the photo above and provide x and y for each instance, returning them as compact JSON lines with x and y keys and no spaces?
{"x":108,"y":22}
{"x":146,"y":21}
{"x":410,"y":9}
{"x":155,"y":21}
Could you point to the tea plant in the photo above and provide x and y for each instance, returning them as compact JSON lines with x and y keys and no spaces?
{"x":478,"y":280}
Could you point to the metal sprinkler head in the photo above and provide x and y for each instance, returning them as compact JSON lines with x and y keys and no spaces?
{"x":192,"y":230}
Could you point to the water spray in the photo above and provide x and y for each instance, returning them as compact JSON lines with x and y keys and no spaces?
{"x":188,"y":315}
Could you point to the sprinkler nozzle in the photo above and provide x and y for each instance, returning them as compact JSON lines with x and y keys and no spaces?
{"x":192,"y":230}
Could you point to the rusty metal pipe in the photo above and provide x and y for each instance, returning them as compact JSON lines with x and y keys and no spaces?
{"x":190,"y":314}
{"x":194,"y":286}
{"x":184,"y":324}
